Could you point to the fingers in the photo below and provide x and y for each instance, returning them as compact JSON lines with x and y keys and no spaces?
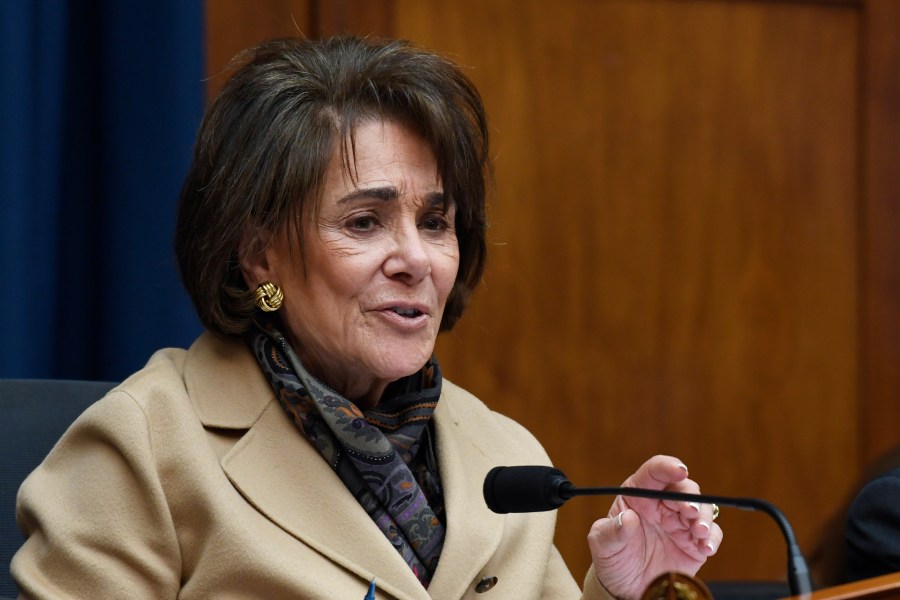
{"x":714,"y":541}
{"x":664,"y":472}
{"x":659,"y":472}
{"x":687,"y":509}
{"x":706,"y":515}
{"x":669,"y":473}
{"x":698,"y":518}
{"x":707,"y":533}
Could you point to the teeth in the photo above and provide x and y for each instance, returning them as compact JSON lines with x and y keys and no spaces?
{"x":406,"y":312}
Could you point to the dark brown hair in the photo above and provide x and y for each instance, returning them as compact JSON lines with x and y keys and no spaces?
{"x":268,"y":137}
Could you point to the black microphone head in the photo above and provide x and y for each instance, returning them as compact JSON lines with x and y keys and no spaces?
{"x":524,"y":489}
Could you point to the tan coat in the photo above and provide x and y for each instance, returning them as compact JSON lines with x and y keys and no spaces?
{"x":189,"y":481}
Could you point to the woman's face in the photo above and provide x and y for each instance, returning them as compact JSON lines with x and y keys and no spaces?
{"x":381,"y":259}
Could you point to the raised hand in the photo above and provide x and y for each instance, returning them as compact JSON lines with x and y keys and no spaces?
{"x":642,"y":538}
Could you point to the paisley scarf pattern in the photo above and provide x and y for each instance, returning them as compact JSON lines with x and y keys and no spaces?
{"x":384,"y":455}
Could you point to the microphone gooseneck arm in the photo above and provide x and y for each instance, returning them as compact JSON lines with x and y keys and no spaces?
{"x":537,"y":488}
{"x":798,"y":572}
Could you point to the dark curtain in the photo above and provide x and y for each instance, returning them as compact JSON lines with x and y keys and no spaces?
{"x":100,"y":104}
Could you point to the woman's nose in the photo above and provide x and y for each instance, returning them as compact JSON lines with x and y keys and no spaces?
{"x":409,"y":258}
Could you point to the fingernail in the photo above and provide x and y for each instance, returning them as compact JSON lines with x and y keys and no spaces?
{"x":619,"y":519}
{"x":712,"y":549}
{"x":694,"y":505}
{"x":705,"y":524}
{"x":683,"y":466}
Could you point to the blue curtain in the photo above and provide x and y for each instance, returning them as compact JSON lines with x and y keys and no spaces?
{"x":99,"y":105}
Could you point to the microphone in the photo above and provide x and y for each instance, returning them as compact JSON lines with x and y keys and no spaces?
{"x":541,"y":488}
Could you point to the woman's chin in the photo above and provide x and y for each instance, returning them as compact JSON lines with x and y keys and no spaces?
{"x":394,"y":364}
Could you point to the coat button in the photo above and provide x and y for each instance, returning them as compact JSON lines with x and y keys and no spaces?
{"x":485,"y":584}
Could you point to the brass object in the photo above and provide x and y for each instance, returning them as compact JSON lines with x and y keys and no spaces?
{"x":676,"y":586}
{"x":269,"y":296}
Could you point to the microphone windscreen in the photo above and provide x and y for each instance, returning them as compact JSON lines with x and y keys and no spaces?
{"x":523,"y":489}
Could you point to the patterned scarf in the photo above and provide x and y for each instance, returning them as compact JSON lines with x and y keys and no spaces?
{"x":384,"y":455}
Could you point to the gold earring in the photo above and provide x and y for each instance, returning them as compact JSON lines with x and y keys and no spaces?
{"x":269,"y":296}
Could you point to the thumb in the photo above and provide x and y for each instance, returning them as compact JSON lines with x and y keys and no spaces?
{"x":610,"y":535}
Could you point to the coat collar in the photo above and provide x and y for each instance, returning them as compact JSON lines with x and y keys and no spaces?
{"x":225,"y":383}
{"x":282,"y":476}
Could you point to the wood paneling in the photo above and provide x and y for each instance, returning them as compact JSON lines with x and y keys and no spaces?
{"x":674,"y":259}
{"x":692,"y":240}
{"x":235,"y":25}
{"x":369,"y":17}
{"x":880,"y":409}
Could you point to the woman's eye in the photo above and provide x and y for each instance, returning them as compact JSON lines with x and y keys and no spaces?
{"x":362,"y":223}
{"x":435,"y":223}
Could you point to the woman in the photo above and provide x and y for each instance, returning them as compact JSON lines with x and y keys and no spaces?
{"x":331,"y":224}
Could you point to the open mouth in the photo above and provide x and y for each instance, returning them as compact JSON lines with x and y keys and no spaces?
{"x":406,"y":312}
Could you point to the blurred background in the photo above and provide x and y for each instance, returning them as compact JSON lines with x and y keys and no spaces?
{"x":694,"y":239}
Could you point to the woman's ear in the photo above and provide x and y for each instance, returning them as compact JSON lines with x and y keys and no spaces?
{"x":253,"y":251}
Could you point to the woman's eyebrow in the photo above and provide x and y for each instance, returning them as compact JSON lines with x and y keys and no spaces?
{"x":434,"y":198}
{"x":387,"y":193}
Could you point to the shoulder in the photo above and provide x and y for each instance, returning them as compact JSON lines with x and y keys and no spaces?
{"x":216,"y":381}
{"x":162,"y":377}
{"x":878,"y":499}
{"x":872,"y":544}
{"x":149,"y":393}
{"x":176,"y":394}
{"x":132,"y":417}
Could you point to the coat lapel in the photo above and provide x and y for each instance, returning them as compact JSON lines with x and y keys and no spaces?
{"x":473,"y":531}
{"x":281,"y":475}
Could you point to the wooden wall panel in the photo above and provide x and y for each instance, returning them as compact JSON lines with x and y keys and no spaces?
{"x":880,"y":409}
{"x":674,"y":259}
{"x":234,"y":25}
{"x":692,"y":242}
{"x":368,"y":17}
